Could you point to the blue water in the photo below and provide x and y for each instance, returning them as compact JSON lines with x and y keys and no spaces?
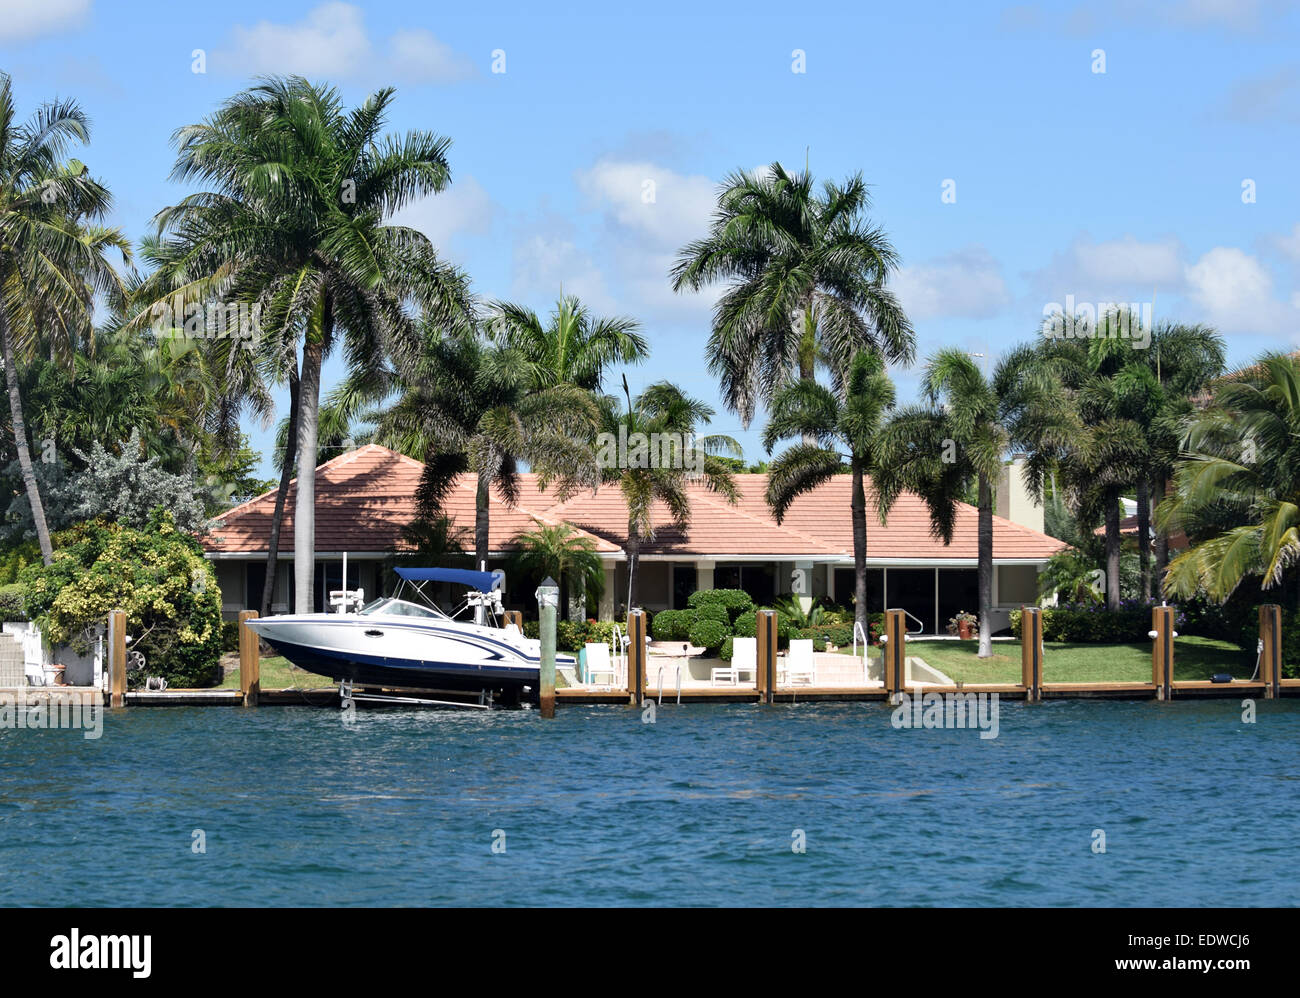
{"x":699,"y":808}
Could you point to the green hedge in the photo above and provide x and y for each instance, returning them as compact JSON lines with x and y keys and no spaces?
{"x":709,"y":635}
{"x":736,"y":602}
{"x":12,"y":602}
{"x":673,"y":625}
{"x":571,"y":635}
{"x":1083,"y":624}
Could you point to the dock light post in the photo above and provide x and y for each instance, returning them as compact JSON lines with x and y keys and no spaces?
{"x":548,"y":602}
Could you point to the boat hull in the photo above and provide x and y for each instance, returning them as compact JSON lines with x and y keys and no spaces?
{"x":413,"y":654}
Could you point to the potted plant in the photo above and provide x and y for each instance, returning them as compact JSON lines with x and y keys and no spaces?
{"x":963,"y":625}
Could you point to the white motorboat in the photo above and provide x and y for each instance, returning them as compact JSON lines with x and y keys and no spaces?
{"x":397,"y":642}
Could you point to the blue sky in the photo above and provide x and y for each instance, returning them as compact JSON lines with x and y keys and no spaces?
{"x":1122,"y":185}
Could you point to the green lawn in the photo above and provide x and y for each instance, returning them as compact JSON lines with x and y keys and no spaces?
{"x":278,"y":674}
{"x":1194,"y":658}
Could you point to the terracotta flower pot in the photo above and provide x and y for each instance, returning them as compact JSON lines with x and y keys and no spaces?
{"x":963,"y":629}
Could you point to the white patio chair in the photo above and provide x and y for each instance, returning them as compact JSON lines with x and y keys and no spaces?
{"x":800,"y":665}
{"x":744,"y":659}
{"x":599,"y":664}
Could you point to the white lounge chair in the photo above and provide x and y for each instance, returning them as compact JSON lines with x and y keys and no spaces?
{"x":744,"y":660}
{"x":800,"y":665}
{"x":599,"y":664}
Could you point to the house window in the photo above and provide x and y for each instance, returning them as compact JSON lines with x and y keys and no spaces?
{"x":1017,"y":585}
{"x":254,"y":583}
{"x":756,"y":579}
{"x":844,"y":583}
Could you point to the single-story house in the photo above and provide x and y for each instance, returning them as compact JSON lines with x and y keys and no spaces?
{"x":365,"y":497}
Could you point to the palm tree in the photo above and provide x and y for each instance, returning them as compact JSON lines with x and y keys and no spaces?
{"x":938,"y":449}
{"x":665,"y":414}
{"x":1184,"y":358}
{"x":52,"y":258}
{"x":958,"y":440}
{"x":295,"y":224}
{"x":849,"y":423}
{"x":807,"y":283}
{"x":468,"y":405}
{"x":572,"y":346}
{"x":1237,"y":492}
{"x":557,"y":550}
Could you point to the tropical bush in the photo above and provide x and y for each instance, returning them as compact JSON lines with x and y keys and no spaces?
{"x":1091,"y":624}
{"x":674,"y":625}
{"x":15,"y":558}
{"x":709,"y":635}
{"x":571,"y":635}
{"x":158,"y":576}
{"x":840,"y":635}
{"x":736,"y":602}
{"x":12,"y":602}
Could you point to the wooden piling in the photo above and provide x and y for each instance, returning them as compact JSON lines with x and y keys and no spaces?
{"x":1031,"y":652}
{"x":250,"y":660}
{"x":117,"y":658}
{"x":1162,"y":650}
{"x":765,"y":666}
{"x":895,"y":651}
{"x":636,"y":653}
{"x":1270,"y":652}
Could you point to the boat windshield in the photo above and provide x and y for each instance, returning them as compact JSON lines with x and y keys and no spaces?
{"x":399,"y":608}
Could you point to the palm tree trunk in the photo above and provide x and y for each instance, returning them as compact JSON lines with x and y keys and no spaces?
{"x":20,"y":442}
{"x":633,"y":551}
{"x":859,"y":546}
{"x":282,"y":495}
{"x":482,"y":521}
{"x":304,"y":507}
{"x":1112,"y":549}
{"x":1162,"y":538}
{"x":808,"y":356}
{"x":1144,"y":534}
{"x":985,"y":570}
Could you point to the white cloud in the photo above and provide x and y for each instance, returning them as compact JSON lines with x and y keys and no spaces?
{"x":967,"y":283}
{"x":464,"y":208}
{"x":416,"y":55}
{"x":1289,"y":244}
{"x":669,"y":208}
{"x":332,"y":41}
{"x":1235,"y":291}
{"x":23,"y":19}
{"x":545,"y":261}
{"x":650,"y":213}
{"x":1111,"y":270}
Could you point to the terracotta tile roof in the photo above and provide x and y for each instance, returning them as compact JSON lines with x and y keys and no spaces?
{"x":364,"y":497}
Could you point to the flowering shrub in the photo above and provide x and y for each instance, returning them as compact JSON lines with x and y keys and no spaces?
{"x":158,"y":576}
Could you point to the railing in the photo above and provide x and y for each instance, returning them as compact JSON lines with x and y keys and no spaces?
{"x":662,"y":666}
{"x":921,"y":628}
